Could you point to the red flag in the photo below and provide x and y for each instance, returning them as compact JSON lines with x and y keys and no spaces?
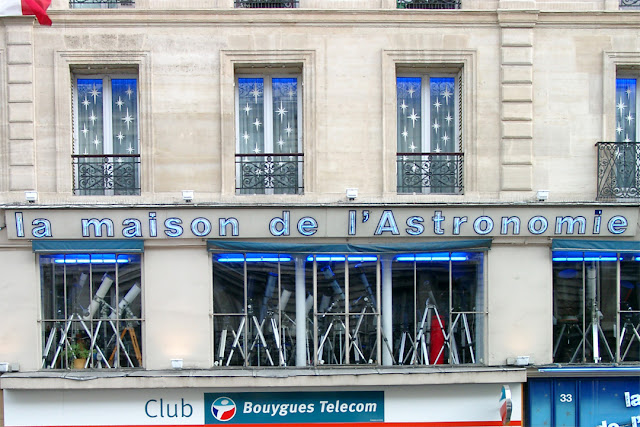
{"x":37,"y":8}
{"x":26,"y":7}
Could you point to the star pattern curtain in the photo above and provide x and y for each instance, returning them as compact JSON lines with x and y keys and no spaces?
{"x":426,"y":118}
{"x":283,"y":116}
{"x":107,"y":123}
{"x":441,"y":115}
{"x":268,"y":123}
{"x":625,"y":110}
{"x":626,"y":154}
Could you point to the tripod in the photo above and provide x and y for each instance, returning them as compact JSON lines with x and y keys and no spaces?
{"x":629,"y":326}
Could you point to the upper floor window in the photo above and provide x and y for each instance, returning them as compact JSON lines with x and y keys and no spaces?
{"x":99,"y":4}
{"x":91,"y":310}
{"x":429,"y":133}
{"x":106,"y":154}
{"x":629,"y":4}
{"x":619,"y":161}
{"x":270,"y":4}
{"x":429,"y":4}
{"x":596,"y":294}
{"x":269,"y":155}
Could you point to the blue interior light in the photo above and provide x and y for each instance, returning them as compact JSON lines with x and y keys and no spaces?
{"x":91,"y":259}
{"x":434,"y":257}
{"x":253,"y":258}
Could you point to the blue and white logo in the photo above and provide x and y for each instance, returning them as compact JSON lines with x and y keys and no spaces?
{"x":223,"y":409}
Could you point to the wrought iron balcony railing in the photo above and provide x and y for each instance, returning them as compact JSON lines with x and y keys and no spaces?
{"x":630,"y":4}
{"x":98,"y":4}
{"x":267,"y":4}
{"x":430,"y":173}
{"x":269,"y":173}
{"x":99,"y":174}
{"x":428,"y":4}
{"x":618,"y":170}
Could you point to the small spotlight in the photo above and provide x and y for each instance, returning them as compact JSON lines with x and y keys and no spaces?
{"x":352,"y":193}
{"x":542,"y":195}
{"x":187,"y":195}
{"x":31,"y":196}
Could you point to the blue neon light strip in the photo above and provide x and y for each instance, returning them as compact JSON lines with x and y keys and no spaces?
{"x":587,"y":258}
{"x":431,"y":257}
{"x":590,"y":370}
{"x":426,"y":257}
{"x":253,"y":258}
{"x":353,"y":258}
{"x":93,"y":259}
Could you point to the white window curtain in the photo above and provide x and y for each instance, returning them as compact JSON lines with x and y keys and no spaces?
{"x":106,"y":124}
{"x":268,"y":124}
{"x":428,"y":122}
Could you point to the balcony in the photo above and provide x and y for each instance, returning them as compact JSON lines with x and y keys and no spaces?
{"x":428,"y":4}
{"x":618,"y":170}
{"x":269,"y":173}
{"x":104,"y":175}
{"x":99,"y":4}
{"x":629,"y":4}
{"x":266,"y":4}
{"x":440,"y":173}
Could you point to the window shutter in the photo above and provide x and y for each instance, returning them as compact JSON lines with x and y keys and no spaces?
{"x":460,"y":109}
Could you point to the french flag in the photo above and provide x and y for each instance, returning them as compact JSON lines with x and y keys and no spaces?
{"x":26,"y":7}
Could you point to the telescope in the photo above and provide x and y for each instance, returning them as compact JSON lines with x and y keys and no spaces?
{"x":99,"y":296}
{"x":126,"y":301}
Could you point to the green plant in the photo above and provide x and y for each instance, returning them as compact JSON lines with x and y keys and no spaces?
{"x":77,"y":351}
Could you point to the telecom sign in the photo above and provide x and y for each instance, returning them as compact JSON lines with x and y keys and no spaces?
{"x":298,"y":407}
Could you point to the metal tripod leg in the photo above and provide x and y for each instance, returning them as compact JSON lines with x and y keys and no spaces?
{"x":262,"y":340}
{"x":635,"y":336}
{"x":276,"y":338}
{"x":236,"y":340}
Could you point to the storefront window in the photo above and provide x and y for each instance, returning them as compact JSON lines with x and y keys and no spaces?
{"x":348,"y":309}
{"x":91,"y":311}
{"x":596,"y":294}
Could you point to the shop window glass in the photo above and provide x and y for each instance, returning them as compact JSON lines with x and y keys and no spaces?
{"x":327,"y":309}
{"x":106,"y":144}
{"x":269,"y":155}
{"x":596,"y":294}
{"x":91,"y":311}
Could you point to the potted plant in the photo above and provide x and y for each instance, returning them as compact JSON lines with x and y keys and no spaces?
{"x":78,"y":353}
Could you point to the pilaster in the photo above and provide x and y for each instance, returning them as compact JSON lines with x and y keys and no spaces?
{"x":20,"y":104}
{"x":516,"y":94}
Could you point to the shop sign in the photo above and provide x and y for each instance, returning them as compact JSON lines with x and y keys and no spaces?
{"x":470,"y":405}
{"x":319,"y":222}
{"x":288,"y":408}
{"x":599,"y":402}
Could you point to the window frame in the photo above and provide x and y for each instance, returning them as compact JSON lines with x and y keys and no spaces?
{"x":584,"y":322}
{"x":395,"y":62}
{"x":56,"y":342}
{"x":70,"y":62}
{"x":233,"y":62}
{"x":107,"y":120}
{"x":268,"y":115}
{"x":327,"y":310}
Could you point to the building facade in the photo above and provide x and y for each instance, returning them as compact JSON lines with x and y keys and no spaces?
{"x":416,"y":213}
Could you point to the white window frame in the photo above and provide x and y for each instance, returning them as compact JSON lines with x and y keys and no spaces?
{"x":268,"y":116}
{"x":107,"y":115}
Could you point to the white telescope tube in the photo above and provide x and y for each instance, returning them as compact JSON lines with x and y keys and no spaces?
{"x":126,"y":301}
{"x":99,"y":296}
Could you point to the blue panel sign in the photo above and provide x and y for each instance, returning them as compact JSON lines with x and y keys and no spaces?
{"x":597,"y":402}
{"x":287,"y":408}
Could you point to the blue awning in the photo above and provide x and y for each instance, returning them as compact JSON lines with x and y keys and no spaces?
{"x":88,"y":246}
{"x":595,"y":245}
{"x":307,"y":248}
